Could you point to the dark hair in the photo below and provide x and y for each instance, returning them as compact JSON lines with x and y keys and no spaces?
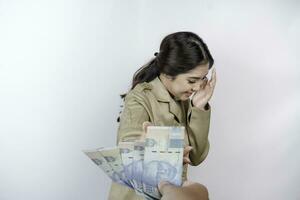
{"x":179,"y":53}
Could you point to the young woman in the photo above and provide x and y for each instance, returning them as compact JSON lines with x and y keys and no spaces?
{"x":171,"y":90}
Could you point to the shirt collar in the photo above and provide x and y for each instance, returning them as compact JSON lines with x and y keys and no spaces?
{"x":160,"y":91}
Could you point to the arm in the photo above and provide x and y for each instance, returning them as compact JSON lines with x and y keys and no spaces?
{"x":198,"y":122}
{"x":198,"y":119}
{"x":131,"y":121}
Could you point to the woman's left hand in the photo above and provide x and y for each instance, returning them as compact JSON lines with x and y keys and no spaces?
{"x":186,"y":155}
{"x":203,"y":95}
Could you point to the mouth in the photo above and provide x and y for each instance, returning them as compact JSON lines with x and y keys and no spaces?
{"x":188,"y":93}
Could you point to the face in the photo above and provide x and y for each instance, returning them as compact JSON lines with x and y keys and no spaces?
{"x":184,"y":85}
{"x":155,"y":171}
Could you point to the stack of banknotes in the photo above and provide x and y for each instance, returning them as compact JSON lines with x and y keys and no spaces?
{"x":142,"y":164}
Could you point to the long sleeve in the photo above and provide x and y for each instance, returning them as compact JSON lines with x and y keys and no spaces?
{"x":198,"y":122}
{"x":131,"y":120}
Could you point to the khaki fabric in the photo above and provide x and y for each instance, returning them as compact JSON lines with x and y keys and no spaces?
{"x":152,"y":102}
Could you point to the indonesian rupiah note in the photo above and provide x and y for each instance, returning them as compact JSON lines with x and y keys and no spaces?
{"x":138,"y":162}
{"x":105,"y":163}
{"x":142,"y":164}
{"x":113,"y":157}
{"x":96,"y":156}
{"x":126,"y":151}
{"x":163,"y":158}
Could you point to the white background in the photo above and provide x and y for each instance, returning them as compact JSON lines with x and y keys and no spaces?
{"x":63,"y":65}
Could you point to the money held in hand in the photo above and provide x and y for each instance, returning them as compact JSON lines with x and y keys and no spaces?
{"x":141,"y":165}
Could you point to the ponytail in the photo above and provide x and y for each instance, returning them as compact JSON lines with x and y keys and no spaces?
{"x":146,"y":73}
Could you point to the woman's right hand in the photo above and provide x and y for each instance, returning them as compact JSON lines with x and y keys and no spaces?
{"x":145,"y":126}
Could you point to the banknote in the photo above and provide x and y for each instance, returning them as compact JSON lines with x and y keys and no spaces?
{"x":105,"y":163}
{"x":132,"y":154}
{"x":113,"y":157}
{"x":138,"y":162}
{"x":96,"y":156}
{"x":126,"y":151}
{"x":163,"y":158}
{"x":142,"y":164}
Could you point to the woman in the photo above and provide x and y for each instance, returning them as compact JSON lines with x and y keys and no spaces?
{"x":171,"y":90}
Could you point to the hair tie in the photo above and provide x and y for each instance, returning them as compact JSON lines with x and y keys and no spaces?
{"x":155,"y":54}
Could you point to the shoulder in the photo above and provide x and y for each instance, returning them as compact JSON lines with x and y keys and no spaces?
{"x":140,"y":92}
{"x":141,"y":87}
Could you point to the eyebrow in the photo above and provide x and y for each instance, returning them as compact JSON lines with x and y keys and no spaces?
{"x":197,"y":77}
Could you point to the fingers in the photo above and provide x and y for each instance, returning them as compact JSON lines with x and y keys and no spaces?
{"x":186,"y":157}
{"x":145,"y":125}
{"x":165,"y":187}
{"x":186,"y":160}
{"x":186,"y":150}
{"x":213,"y":80}
{"x":205,"y":81}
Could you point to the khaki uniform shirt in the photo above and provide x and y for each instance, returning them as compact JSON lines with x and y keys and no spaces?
{"x":152,"y":102}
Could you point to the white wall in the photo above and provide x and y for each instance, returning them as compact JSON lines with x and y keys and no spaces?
{"x":64,"y":63}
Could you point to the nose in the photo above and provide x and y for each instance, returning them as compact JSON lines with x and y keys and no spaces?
{"x":196,"y":87}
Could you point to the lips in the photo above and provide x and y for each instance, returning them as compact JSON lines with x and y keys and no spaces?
{"x":188,"y":93}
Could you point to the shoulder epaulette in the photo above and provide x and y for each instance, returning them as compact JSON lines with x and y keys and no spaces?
{"x":143,"y":86}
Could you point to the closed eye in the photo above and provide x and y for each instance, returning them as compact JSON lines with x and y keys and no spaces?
{"x":196,"y":79}
{"x":191,"y":82}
